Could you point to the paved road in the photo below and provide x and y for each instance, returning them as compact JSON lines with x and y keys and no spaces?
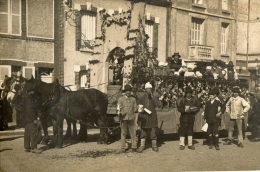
{"x":90,"y":157}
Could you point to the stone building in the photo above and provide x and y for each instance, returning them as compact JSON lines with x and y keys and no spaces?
{"x":96,"y":33}
{"x":204,"y":29}
{"x":248,"y":42}
{"x":27,"y":38}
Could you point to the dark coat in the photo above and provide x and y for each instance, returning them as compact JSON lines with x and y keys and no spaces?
{"x":211,"y":109}
{"x":193,"y":102}
{"x":147,"y":120}
{"x":29,"y":109}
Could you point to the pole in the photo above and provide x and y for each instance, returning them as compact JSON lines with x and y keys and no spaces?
{"x":247,"y":37}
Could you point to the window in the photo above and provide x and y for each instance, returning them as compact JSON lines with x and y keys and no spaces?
{"x":4,"y":70}
{"x":197,"y":31}
{"x":224,"y":38}
{"x":84,"y":79}
{"x":10,"y":17}
{"x":88,"y":31}
{"x":149,"y":30}
{"x":225,"y":4}
{"x":200,"y":2}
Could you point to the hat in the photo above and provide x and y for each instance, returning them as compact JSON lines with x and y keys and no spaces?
{"x":208,"y":67}
{"x":148,"y":85}
{"x":128,"y":87}
{"x":188,"y":90}
{"x":230,"y":64}
{"x":214,"y":91}
{"x":236,"y":89}
{"x":176,"y":54}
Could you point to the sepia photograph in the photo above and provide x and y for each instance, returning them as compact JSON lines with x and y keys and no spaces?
{"x":129,"y":85}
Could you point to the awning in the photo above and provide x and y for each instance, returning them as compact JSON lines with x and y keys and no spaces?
{"x":12,"y":62}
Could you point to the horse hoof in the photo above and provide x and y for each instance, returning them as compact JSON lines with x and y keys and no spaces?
{"x":58,"y":147}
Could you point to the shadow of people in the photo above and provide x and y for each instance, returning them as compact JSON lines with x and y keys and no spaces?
{"x":6,"y":149}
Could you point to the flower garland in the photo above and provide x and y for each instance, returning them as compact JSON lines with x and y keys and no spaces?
{"x":107,"y":20}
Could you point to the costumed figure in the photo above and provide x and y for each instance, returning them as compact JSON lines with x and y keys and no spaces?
{"x":188,"y":106}
{"x":212,"y":116}
{"x":147,"y":117}
{"x":127,"y":109}
{"x":231,"y":73}
{"x":176,"y":63}
{"x":236,"y":107}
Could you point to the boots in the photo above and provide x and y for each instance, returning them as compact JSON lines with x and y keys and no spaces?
{"x":142,"y":146}
{"x":216,"y":139}
{"x":210,"y":142}
{"x":154,"y":146}
{"x":190,"y":145}
{"x":182,"y":144}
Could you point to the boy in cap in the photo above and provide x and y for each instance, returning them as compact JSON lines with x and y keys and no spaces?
{"x":188,"y":106}
{"x":148,"y":118}
{"x":237,"y":107}
{"x":212,"y":116}
{"x":127,"y":108}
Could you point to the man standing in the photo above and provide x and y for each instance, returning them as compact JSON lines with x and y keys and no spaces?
{"x":188,"y":106}
{"x":237,"y":107}
{"x":148,"y":118}
{"x":212,"y":115}
{"x":32,"y":131}
{"x":127,"y":108}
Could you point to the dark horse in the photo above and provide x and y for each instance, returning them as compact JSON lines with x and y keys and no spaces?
{"x":44,"y":93}
{"x":89,"y":106}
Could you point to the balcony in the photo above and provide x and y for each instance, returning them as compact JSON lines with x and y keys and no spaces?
{"x":200,"y":52}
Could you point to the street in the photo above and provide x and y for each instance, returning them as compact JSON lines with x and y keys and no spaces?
{"x":93,"y":157}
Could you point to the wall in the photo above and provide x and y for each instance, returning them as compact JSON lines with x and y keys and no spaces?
{"x":116,"y":36}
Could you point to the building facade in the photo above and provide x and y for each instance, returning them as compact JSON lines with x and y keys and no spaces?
{"x":248,"y":42}
{"x":27,"y":38}
{"x":97,"y":31}
{"x":204,"y":29}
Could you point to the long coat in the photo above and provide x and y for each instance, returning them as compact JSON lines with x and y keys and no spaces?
{"x":147,"y":120}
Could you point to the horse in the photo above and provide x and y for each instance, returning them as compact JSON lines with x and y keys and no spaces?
{"x":86,"y":105}
{"x":43,"y":91}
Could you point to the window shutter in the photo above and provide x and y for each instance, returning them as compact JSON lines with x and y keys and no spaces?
{"x":78,"y":31}
{"x":155,"y":37}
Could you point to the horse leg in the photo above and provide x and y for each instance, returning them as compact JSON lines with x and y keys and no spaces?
{"x":60,"y":132}
{"x":68,"y":132}
{"x":45,"y":132}
{"x":74,"y":123}
{"x":83,"y":133}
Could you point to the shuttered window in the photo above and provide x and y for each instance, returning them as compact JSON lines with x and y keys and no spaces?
{"x":88,"y":31}
{"x":10,"y":17}
{"x":224,"y":38}
{"x":197,"y":31}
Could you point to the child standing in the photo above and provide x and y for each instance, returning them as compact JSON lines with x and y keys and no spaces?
{"x":188,"y":106}
{"x":212,"y":116}
{"x":127,"y":109}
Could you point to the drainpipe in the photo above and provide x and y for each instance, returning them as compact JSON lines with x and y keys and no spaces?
{"x":247,"y":46}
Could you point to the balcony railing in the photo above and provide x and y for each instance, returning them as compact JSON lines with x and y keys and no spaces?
{"x":200,"y":52}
